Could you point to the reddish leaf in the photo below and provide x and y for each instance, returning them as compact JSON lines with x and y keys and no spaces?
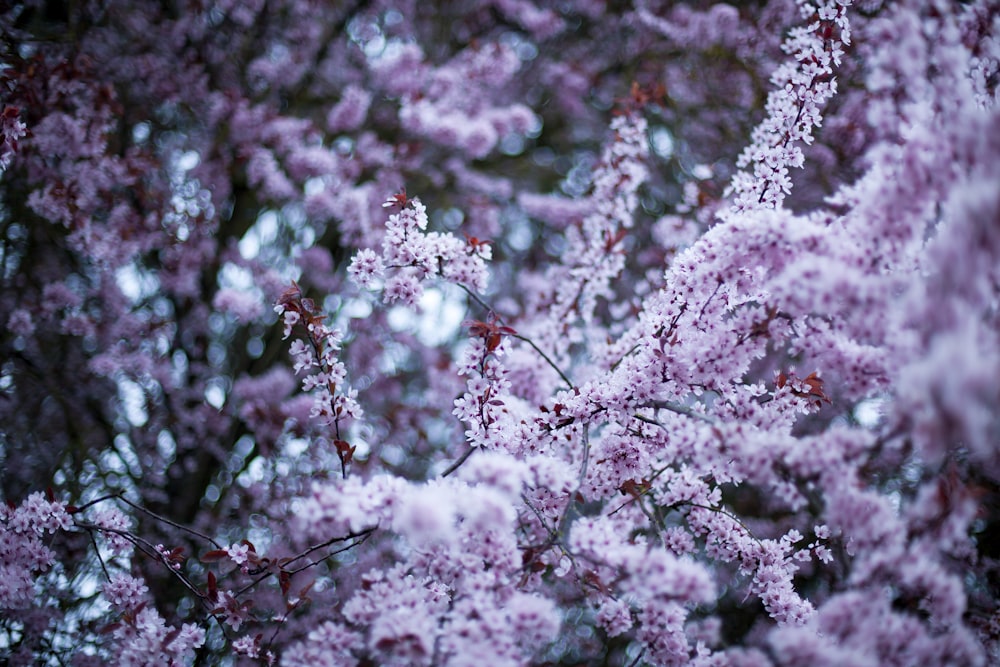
{"x":489,"y":330}
{"x":109,"y":628}
{"x":214,"y":556}
{"x":630,"y":487}
{"x":175,"y":555}
{"x":171,"y":636}
{"x":611,"y":240}
{"x":398,"y":200}
{"x":304,"y":593}
{"x":594,"y":580}
{"x":290,"y":296}
{"x":213,"y":589}
{"x":477,"y":243}
{"x":344,"y":450}
{"x":815,"y":385}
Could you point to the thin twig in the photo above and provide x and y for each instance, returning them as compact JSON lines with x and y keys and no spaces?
{"x":364,"y":535}
{"x":553,"y":532}
{"x":673,"y":407}
{"x":455,"y":466}
{"x":485,"y":306}
{"x":170,"y":522}
{"x":97,"y":551}
{"x":723,"y":512}
{"x":544,"y":356}
{"x":110,"y":496}
{"x":143,"y":545}
{"x":586,"y":456}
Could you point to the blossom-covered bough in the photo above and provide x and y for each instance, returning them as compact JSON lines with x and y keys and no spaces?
{"x":681,"y":345}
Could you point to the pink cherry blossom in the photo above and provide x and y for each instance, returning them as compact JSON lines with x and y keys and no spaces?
{"x":508,"y":333}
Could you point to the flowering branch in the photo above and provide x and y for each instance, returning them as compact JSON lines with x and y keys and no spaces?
{"x":794,"y":107}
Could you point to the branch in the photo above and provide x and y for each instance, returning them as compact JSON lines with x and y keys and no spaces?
{"x":674,"y":407}
{"x":143,"y":545}
{"x":485,"y":306}
{"x":270,"y":572}
{"x":170,"y":522}
{"x":454,"y":466}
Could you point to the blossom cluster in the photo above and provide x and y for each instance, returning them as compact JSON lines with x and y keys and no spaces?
{"x":410,"y":255}
{"x":441,"y":104}
{"x":794,"y":105}
{"x":455,"y":595}
{"x":145,"y":638}
{"x":23,"y":554}
{"x":318,"y":356}
{"x":482,"y":407}
{"x":595,"y":247}
{"x":674,"y":423}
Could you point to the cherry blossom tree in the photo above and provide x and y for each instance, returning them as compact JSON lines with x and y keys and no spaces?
{"x":500,"y":332}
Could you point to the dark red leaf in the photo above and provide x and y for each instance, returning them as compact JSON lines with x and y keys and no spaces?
{"x":214,"y":556}
{"x":344,"y":450}
{"x":398,"y":200}
{"x":109,"y":628}
{"x":213,"y":589}
{"x":171,"y":636}
{"x":290,"y":296}
{"x":633,"y":488}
